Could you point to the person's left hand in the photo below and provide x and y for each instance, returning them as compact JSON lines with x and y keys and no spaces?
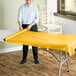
{"x":29,"y":27}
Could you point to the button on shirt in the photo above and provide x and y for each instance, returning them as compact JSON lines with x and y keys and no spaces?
{"x":28,"y":14}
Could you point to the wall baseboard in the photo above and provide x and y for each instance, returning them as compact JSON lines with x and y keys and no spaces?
{"x":12,"y":49}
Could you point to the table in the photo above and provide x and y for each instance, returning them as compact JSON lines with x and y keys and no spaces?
{"x":61,"y":42}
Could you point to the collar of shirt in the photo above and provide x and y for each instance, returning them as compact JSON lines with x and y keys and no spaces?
{"x":27,"y":5}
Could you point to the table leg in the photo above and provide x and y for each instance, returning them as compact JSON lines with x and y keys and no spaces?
{"x":67,"y":61}
{"x":60,"y":62}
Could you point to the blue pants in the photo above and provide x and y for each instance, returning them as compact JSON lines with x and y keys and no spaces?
{"x":25,"y":47}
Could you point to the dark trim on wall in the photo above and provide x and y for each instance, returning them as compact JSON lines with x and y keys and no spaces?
{"x":65,"y":16}
{"x":63,"y":13}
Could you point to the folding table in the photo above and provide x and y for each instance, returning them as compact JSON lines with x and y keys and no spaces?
{"x":61,"y":42}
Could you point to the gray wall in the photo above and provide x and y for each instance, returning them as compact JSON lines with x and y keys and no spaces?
{"x":69,"y":26}
{"x":8,"y":17}
{"x":9,"y":12}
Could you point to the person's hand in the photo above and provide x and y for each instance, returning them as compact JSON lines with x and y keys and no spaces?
{"x":20,"y":28}
{"x":29,"y":27}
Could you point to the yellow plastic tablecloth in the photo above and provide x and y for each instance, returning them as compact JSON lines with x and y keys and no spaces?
{"x":62,"y":42}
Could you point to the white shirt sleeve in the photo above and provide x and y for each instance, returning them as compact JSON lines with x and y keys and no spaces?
{"x":36,"y":15}
{"x":20,"y":14}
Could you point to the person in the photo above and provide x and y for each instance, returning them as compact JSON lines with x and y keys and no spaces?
{"x":28,"y":17}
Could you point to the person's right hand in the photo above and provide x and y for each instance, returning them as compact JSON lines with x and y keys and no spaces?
{"x":20,"y":28}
